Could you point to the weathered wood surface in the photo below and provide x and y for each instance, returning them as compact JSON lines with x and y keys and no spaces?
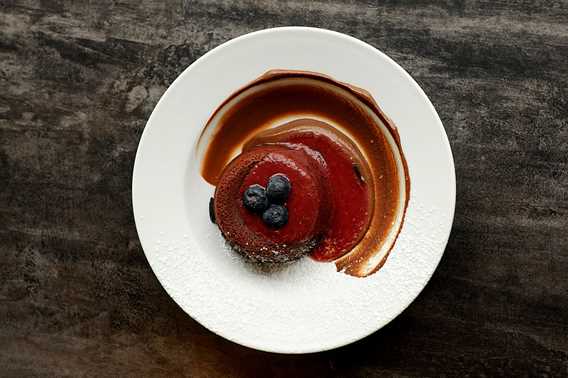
{"x":78,"y":79}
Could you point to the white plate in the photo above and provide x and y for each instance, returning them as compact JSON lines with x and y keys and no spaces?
{"x":306,"y":306}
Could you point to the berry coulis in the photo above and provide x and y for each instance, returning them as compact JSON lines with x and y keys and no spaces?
{"x":348,"y":198}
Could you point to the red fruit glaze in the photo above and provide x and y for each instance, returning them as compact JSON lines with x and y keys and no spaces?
{"x":304,"y":202}
{"x":349,"y":196}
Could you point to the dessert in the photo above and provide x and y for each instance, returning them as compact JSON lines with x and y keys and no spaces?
{"x":306,"y":165}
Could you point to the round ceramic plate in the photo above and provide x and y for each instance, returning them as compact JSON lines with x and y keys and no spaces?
{"x":305,"y":306}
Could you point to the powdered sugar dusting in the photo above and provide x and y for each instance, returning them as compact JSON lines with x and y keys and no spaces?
{"x":294,"y":304}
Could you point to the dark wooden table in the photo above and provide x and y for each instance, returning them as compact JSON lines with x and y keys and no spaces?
{"x":78,"y":80}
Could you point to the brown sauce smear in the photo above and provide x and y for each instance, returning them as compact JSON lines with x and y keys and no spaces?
{"x":289,"y":99}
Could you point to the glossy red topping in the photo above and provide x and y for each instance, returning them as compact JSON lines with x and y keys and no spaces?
{"x":343,"y":169}
{"x":304,"y":202}
{"x":246,"y":230}
{"x":329,"y":201}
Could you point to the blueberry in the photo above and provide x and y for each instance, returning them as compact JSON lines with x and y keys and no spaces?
{"x":212,"y":209}
{"x":254,"y":198}
{"x":278,"y":188}
{"x":275,"y":216}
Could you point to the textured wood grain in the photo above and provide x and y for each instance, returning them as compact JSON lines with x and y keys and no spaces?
{"x":78,"y":79}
